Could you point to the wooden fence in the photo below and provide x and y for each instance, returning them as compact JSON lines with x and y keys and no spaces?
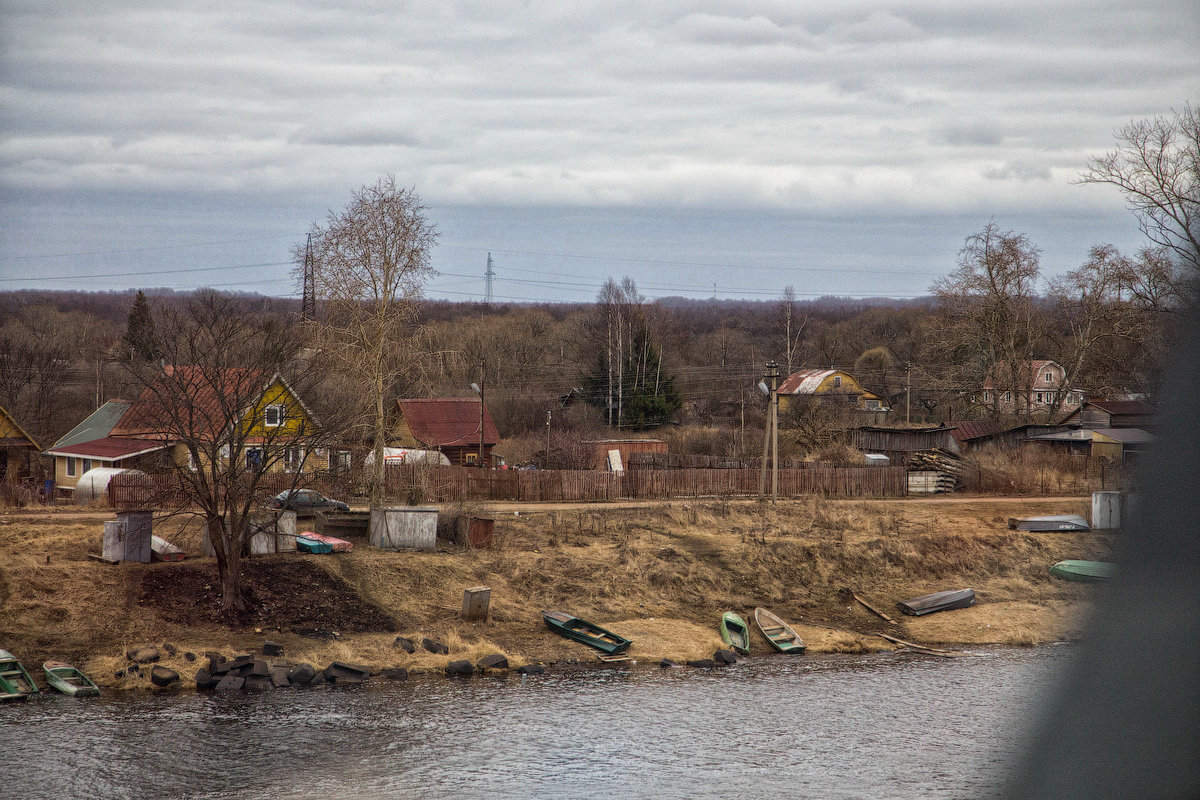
{"x":420,"y":484}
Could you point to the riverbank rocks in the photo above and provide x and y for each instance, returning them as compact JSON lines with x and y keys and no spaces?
{"x":435,"y":647}
{"x":256,"y":683}
{"x":702,"y":663}
{"x":143,"y":655}
{"x":279,"y":677}
{"x":405,"y":644}
{"x":667,"y":663}
{"x":460,"y":669}
{"x":189,"y":656}
{"x":724,"y":658}
{"x":492,"y":662}
{"x":272,"y":649}
{"x":396,"y":674}
{"x":342,"y":674}
{"x":169,"y":648}
{"x":531,"y":669}
{"x":231,"y":683}
{"x":206,"y":680}
{"x":301,"y":675}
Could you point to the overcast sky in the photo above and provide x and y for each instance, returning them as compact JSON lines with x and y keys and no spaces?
{"x":698,"y":147}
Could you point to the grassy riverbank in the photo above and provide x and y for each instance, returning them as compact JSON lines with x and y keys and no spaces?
{"x":659,"y":574}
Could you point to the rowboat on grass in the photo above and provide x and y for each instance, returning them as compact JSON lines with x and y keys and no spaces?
{"x":1059,"y":522}
{"x":337,"y":545}
{"x":584,"y":632}
{"x":68,"y":680}
{"x":777,"y":632}
{"x":1089,"y":571}
{"x":15,"y":683}
{"x":735,"y":632}
{"x":307,"y":545}
{"x":938,"y":601}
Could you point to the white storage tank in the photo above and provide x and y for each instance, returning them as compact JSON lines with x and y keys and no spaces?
{"x":396,"y":527}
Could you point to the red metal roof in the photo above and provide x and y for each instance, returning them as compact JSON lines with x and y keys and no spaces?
{"x":967,"y":430}
{"x":1123,"y":407}
{"x":448,"y":422}
{"x":110,"y":448}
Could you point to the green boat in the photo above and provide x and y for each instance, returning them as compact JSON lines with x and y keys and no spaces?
{"x":1088,"y":571}
{"x":584,"y":632}
{"x":735,"y":632}
{"x":68,"y":680}
{"x":778,"y":633}
{"x":15,"y":683}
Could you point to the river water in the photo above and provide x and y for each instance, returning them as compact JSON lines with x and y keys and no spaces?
{"x":871,"y":726}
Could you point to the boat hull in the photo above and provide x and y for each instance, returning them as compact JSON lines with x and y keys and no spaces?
{"x":15,"y":682}
{"x":1060,"y":522}
{"x":578,"y":630}
{"x":938,"y":601}
{"x":735,"y":633}
{"x":1083,"y":571}
{"x":306,"y":545}
{"x":69,"y":680}
{"x":778,"y":633}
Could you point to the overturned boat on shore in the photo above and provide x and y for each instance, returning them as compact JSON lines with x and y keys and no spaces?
{"x":1060,"y":522}
{"x":1085,"y":571}
{"x":938,"y":601}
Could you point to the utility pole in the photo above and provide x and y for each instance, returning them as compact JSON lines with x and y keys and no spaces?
{"x":482,"y":378}
{"x":908,"y":392}
{"x":308,"y":303}
{"x":487,"y":281}
{"x":771,"y":433}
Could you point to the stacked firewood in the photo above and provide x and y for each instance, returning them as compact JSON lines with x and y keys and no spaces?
{"x":946,"y":468}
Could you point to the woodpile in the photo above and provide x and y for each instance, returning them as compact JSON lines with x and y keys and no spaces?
{"x":934,"y":471}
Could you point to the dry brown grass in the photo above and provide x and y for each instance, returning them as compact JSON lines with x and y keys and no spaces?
{"x":661,"y":575}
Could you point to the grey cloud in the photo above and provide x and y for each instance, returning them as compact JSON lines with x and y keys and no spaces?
{"x":1017,"y":171}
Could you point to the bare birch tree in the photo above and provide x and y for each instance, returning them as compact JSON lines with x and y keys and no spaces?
{"x":370,"y":262}
{"x":793,"y":325}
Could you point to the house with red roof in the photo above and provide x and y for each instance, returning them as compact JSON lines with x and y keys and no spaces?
{"x":1027,"y":387}
{"x":459,"y":427}
{"x":91,"y":444}
{"x":828,"y":386}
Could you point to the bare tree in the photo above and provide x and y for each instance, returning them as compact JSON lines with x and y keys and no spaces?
{"x":370,"y":262}
{"x":793,"y":325}
{"x":1156,"y":165}
{"x":226,"y":401}
{"x":988,"y":319}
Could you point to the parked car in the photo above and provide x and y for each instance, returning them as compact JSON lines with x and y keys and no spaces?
{"x":305,"y":501}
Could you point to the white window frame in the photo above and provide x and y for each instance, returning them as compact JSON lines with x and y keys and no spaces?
{"x":1008,"y":397}
{"x":837,"y":381}
{"x":71,"y":470}
{"x":280,"y":415}
{"x":293,"y":459}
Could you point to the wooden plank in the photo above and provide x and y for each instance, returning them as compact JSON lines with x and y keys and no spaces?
{"x":933,"y":651}
{"x":101,"y":559}
{"x":875,"y":610}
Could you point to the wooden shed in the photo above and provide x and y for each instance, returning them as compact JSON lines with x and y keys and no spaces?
{"x":625,"y":447}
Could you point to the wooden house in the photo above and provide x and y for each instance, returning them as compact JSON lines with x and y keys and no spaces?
{"x":258,"y":414}
{"x":457,"y":427}
{"x":828,"y":387}
{"x":1111,"y":414}
{"x":92,"y":443}
{"x":16,"y":447}
{"x":1029,"y":387}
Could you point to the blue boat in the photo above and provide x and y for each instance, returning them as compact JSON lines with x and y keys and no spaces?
{"x":306,"y":545}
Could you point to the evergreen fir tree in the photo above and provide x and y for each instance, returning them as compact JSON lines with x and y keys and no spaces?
{"x":141,"y":340}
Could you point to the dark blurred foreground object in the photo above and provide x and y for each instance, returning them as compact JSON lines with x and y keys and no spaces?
{"x":1124,"y":720}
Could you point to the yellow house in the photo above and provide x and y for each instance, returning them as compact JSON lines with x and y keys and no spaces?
{"x":828,"y":386}
{"x":15,"y":447}
{"x":194,"y":406}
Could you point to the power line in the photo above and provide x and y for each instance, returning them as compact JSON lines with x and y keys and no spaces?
{"x":148,"y":272}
